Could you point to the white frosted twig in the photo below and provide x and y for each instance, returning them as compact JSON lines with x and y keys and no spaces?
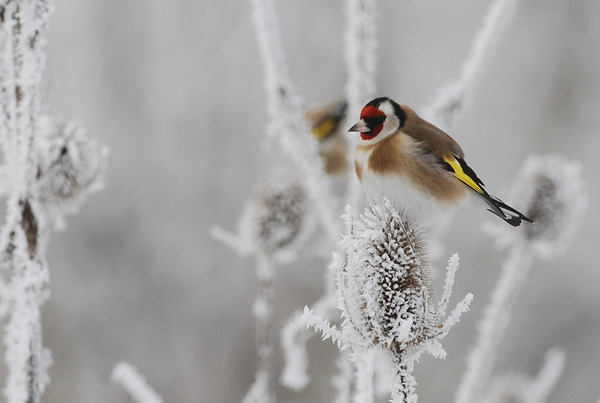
{"x":540,"y":387}
{"x":456,"y":314}
{"x":129,"y":378}
{"x":293,"y":341}
{"x":450,"y":274}
{"x":493,"y":325}
{"x":453,"y":97}
{"x":342,"y":381}
{"x":404,"y":389}
{"x":230,"y":239}
{"x":360,"y":47}
{"x":263,"y":390}
{"x":363,"y":360}
{"x":23,"y":237}
{"x":324,"y":326}
{"x":549,"y":190}
{"x":25,"y":357}
{"x":286,"y":117}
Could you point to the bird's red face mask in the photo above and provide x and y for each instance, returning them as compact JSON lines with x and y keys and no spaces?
{"x":370,"y":123}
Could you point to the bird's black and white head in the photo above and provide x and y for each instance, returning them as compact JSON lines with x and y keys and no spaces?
{"x":378,"y":119}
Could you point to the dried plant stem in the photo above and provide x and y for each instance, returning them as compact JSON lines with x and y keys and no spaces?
{"x":286,"y":117}
{"x":134,"y":383}
{"x":493,"y":325}
{"x":263,"y":389}
{"x":404,"y":389}
{"x":23,"y":236}
{"x":360,"y":45}
{"x":363,"y":360}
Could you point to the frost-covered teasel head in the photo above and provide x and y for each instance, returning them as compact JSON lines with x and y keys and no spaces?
{"x":550,"y":190}
{"x":71,"y":163}
{"x":384,"y":284}
{"x":276,"y":218}
{"x":385,"y":296}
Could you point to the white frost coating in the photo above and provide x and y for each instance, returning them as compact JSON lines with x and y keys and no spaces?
{"x":293,"y":341}
{"x":286,"y":117}
{"x":130,"y":379}
{"x":519,"y":387}
{"x":493,"y":326}
{"x":384,"y":294}
{"x":540,"y":387}
{"x":71,"y":166}
{"x":550,"y":190}
{"x":23,"y":237}
{"x":39,"y":176}
{"x":360,"y":45}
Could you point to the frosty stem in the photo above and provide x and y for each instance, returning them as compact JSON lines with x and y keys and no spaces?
{"x":404,"y":389}
{"x":360,"y":45}
{"x":22,"y":240}
{"x":363,"y":360}
{"x":493,"y":325}
{"x":134,"y":383}
{"x":286,"y":117}
{"x":263,"y":390}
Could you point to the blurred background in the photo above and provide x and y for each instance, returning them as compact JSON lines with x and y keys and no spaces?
{"x":175,"y":89}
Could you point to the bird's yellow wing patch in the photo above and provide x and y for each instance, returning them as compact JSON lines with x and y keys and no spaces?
{"x":460,"y":174}
{"x":323,"y":129}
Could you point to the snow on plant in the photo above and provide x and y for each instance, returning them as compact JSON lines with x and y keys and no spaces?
{"x":386,"y":298}
{"x":71,"y":165}
{"x":519,"y":387}
{"x":277,"y":219}
{"x":382,"y":272}
{"x":286,"y":117}
{"x":286,"y":124}
{"x":134,"y":383}
{"x":275,"y":223}
{"x":35,"y":181}
{"x":549,"y":190}
{"x":554,"y":195}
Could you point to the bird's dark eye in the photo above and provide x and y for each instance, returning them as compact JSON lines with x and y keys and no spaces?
{"x":372,"y":122}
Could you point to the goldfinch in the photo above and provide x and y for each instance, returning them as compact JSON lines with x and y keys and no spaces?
{"x":416,"y":165}
{"x":326,"y":127}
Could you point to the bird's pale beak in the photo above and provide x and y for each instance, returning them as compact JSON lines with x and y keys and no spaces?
{"x":361,"y":126}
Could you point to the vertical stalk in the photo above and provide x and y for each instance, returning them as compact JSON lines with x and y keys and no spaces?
{"x":493,"y":325}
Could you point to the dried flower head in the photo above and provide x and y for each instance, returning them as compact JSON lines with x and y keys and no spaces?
{"x":71,"y":164}
{"x":384,"y":286}
{"x":276,"y":218}
{"x":384,"y":293}
{"x":71,"y":161}
{"x":550,"y":190}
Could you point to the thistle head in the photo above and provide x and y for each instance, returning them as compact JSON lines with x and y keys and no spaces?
{"x":384,"y":288}
{"x":550,"y":190}
{"x":71,"y":165}
{"x":276,"y":217}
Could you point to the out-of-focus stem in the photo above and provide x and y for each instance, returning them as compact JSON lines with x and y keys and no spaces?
{"x":493,"y":325}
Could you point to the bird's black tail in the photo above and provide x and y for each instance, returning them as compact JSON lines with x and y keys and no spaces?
{"x":504,"y":211}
